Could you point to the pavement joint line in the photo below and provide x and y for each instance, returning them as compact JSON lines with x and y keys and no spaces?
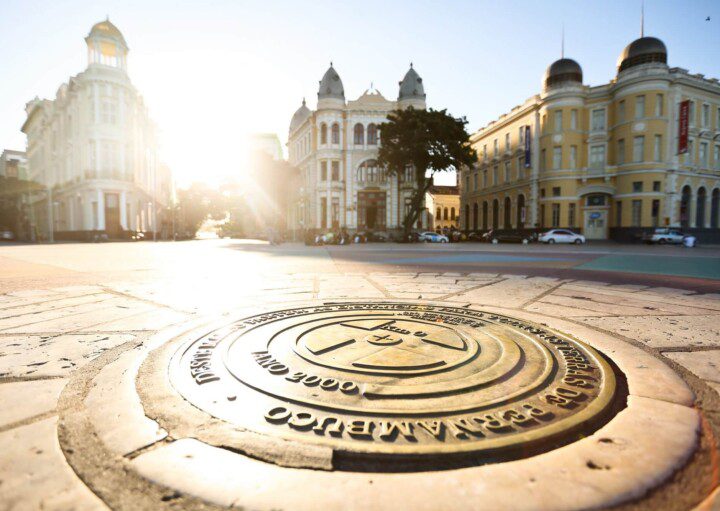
{"x":21,"y":379}
{"x":54,"y":299}
{"x":140,"y":299}
{"x":680,"y":349}
{"x":65,"y":316}
{"x":29,"y":420}
{"x":379,"y":287}
{"x":54,"y":309}
{"x":150,"y":447}
{"x":456,"y":293}
{"x":54,"y":334}
{"x":542,"y":295}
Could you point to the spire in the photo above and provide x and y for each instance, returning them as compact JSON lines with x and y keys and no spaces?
{"x":642,"y":18}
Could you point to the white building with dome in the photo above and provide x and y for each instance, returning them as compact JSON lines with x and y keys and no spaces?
{"x":335,"y":148}
{"x":94,"y":147}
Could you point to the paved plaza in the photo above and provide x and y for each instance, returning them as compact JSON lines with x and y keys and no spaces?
{"x":90,"y":419}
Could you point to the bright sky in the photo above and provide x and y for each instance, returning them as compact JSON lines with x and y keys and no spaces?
{"x":213,"y":71}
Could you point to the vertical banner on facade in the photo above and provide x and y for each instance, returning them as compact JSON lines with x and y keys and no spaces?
{"x":683,"y":121}
{"x":527,"y":147}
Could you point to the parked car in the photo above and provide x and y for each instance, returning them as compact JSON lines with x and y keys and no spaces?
{"x":561,"y":236}
{"x":663,"y":235}
{"x":6,"y":235}
{"x":433,"y":237}
{"x":510,"y":237}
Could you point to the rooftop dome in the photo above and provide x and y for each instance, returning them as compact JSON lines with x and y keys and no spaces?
{"x":411,"y":87}
{"x":562,"y":71}
{"x":642,"y":51}
{"x":331,"y":86}
{"x":299,"y":116}
{"x":107,"y":29}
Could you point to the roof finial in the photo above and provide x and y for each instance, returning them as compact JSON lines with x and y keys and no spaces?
{"x":562,"y":42}
{"x":642,"y":18}
{"x":331,"y":63}
{"x":107,"y":17}
{"x":303,"y":101}
{"x":410,"y":65}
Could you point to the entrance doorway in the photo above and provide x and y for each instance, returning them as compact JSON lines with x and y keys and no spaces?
{"x":595,"y":224}
{"x":112,"y":215}
{"x":371,"y":210}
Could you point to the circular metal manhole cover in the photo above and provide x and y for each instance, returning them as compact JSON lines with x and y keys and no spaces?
{"x":398,"y":380}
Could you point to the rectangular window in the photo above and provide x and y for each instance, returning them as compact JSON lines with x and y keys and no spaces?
{"x":521,"y":135}
{"x":542,"y":159}
{"x":467,"y":183}
{"x":507,"y":171}
{"x":542,"y":193}
{"x":621,"y":111}
{"x":639,"y":149}
{"x":597,"y":157}
{"x":573,"y":119}
{"x":335,"y":213}
{"x":659,"y":101}
{"x":656,"y":186}
{"x":336,"y":171}
{"x":691,"y":114}
{"x":618,"y":213}
{"x":621,"y":151}
{"x":637,"y":213}
{"x":706,"y":116}
{"x":323,"y":212}
{"x":716,"y":157}
{"x":571,"y":215}
{"x":557,"y":157}
{"x":558,"y":120}
{"x":573,"y":157}
{"x":485,"y":152}
{"x":690,"y":155}
{"x":703,"y":154}
{"x":520,"y":167}
{"x":556,"y":191}
{"x":637,"y":186}
{"x":556,"y":215}
{"x":655,"y":212}
{"x":507,"y":141}
{"x":495,"y":148}
{"x":639,"y":107}
{"x":598,"y":120}
{"x":496,"y":175}
{"x":323,"y":171}
{"x":485,"y":178}
{"x":657,"y":148}
{"x":475,"y":182}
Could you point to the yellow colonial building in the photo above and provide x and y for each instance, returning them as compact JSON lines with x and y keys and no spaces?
{"x":604,"y":159}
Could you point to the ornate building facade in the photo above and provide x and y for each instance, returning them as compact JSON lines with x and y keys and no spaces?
{"x":335,"y":148}
{"x":602,"y":159}
{"x":94,"y":148}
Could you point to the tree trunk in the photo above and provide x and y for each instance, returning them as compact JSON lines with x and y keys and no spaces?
{"x":416,"y":204}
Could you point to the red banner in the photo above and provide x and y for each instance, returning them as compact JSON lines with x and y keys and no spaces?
{"x":683,"y":122}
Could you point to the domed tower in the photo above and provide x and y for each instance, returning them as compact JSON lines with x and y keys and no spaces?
{"x":562,"y":73}
{"x":331,"y":93}
{"x":646,"y":50}
{"x":299,"y":116}
{"x":412,"y":92}
{"x":107,"y":46}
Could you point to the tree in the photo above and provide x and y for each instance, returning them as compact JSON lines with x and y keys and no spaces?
{"x":426,"y":141}
{"x":195,"y":205}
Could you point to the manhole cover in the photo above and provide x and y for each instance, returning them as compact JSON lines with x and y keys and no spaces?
{"x":392,"y":380}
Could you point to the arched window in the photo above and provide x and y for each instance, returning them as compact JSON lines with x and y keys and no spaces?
{"x":507,"y":212}
{"x":335,"y":137}
{"x":485,"y":216}
{"x":452,"y":214}
{"x":475,"y":217}
{"x":372,"y":138}
{"x":445,"y":214}
{"x":685,"y":197}
{"x":368,"y":171}
{"x":495,"y":214}
{"x":700,"y":208}
{"x":359,"y":134}
{"x":438,"y":216}
{"x":520,"y":212}
{"x":467,"y":217}
{"x":715,"y":208}
{"x":323,"y":133}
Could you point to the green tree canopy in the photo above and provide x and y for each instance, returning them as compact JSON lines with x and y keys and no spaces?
{"x":428,"y":141}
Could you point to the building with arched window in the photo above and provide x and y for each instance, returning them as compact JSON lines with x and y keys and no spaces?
{"x":94,"y":146}
{"x":442,"y":204}
{"x":335,"y":148}
{"x":607,"y":160}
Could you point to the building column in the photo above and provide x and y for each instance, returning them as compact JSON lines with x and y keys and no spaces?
{"x":101,"y":210}
{"x":123,"y":211}
{"x":533,"y":202}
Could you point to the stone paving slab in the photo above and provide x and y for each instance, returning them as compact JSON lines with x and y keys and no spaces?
{"x":704,"y":364}
{"x":22,"y":400}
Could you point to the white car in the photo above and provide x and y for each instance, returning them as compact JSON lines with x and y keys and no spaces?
{"x":561,"y":236}
{"x":664,"y":235}
{"x":433,"y":237}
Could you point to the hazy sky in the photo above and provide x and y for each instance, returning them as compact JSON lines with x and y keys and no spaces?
{"x":215,"y":70}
